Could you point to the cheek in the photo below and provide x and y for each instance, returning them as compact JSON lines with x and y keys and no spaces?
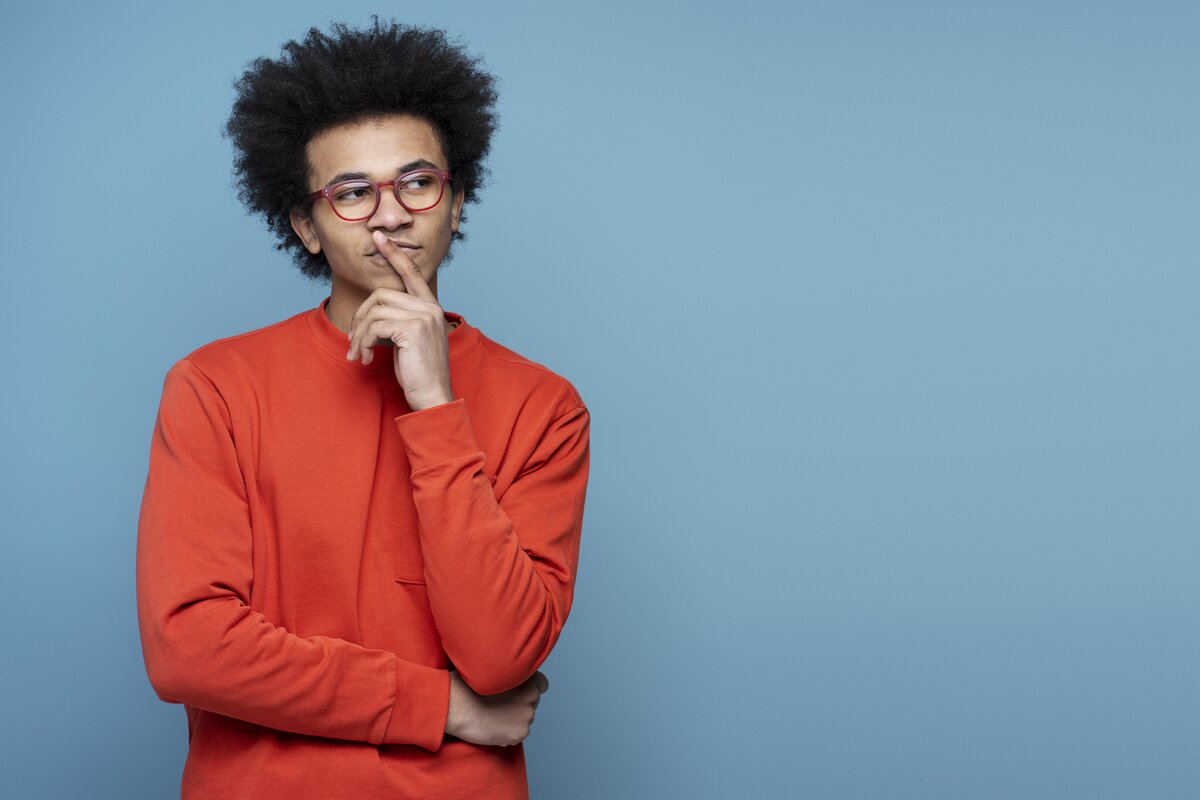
{"x":335,"y":242}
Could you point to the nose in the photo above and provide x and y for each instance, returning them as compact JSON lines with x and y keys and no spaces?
{"x":389,"y":215}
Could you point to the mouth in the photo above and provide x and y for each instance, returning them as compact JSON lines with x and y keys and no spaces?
{"x":409,"y":249}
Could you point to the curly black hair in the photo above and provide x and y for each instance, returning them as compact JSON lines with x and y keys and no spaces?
{"x":345,"y":76}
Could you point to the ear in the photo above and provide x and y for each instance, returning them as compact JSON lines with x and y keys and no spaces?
{"x":456,"y":209}
{"x":302,"y":224}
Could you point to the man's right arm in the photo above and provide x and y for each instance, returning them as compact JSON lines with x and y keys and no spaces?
{"x":204,"y":645}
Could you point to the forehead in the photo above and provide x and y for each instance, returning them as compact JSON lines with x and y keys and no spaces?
{"x":377,"y":146}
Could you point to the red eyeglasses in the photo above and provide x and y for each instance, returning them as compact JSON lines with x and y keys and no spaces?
{"x":356,"y":200}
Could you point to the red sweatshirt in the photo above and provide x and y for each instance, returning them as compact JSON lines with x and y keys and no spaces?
{"x":313,"y":557}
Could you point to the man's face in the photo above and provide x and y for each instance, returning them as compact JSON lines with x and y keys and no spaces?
{"x":376,"y":150}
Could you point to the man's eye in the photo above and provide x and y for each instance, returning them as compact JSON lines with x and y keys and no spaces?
{"x":416,"y":183}
{"x":352,"y":194}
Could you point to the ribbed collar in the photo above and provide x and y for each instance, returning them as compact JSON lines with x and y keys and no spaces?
{"x":334,"y":343}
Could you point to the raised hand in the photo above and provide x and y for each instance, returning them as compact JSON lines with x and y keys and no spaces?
{"x":413,"y":321}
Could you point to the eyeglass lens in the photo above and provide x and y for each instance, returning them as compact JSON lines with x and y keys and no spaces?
{"x":357,"y":200}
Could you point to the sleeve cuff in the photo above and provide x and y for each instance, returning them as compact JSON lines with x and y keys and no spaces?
{"x":422,"y":704}
{"x":434,"y":435}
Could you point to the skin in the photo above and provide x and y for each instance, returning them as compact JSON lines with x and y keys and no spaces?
{"x":384,"y":290}
{"x":385,"y":267}
{"x":501,"y":720}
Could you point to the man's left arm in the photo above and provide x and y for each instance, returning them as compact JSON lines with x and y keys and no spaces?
{"x":499,"y":571}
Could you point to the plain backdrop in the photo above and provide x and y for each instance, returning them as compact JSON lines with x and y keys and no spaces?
{"x":886,"y":315}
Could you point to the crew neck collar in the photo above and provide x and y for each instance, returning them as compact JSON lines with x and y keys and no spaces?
{"x":334,"y":343}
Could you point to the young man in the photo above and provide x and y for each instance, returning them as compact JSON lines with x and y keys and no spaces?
{"x":361,"y":525}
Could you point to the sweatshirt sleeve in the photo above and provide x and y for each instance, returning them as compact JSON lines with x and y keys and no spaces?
{"x":205,"y":646}
{"x":500,"y":571}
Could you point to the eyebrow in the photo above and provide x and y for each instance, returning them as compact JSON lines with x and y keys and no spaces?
{"x":420,"y":163}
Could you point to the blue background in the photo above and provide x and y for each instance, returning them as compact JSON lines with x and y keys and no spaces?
{"x":886,"y":315}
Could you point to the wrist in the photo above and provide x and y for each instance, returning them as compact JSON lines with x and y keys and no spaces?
{"x":454,"y":707}
{"x":422,"y":402}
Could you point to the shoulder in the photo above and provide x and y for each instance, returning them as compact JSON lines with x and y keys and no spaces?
{"x":250,"y":352}
{"x":505,"y":373}
{"x":252,"y":346}
{"x":528,"y":371}
{"x":238,"y":365}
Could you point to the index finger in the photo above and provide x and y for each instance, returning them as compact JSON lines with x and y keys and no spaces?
{"x":405,"y":267}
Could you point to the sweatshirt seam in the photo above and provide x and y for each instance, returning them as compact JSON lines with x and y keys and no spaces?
{"x":225,"y":403}
{"x":387,"y":725}
{"x":574,"y":410}
{"x":466,"y":455}
{"x":468,"y":348}
{"x":554,"y":425}
{"x":521,"y":361}
{"x":248,"y":334}
{"x":233,"y":442}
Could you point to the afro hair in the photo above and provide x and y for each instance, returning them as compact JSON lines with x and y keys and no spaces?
{"x":345,"y":76}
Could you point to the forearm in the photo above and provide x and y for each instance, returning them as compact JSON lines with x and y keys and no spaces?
{"x":499,"y":573}
{"x":497,"y":615}
{"x":220,"y":655}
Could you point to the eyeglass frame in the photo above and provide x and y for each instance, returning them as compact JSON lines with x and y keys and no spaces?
{"x":328,"y":191}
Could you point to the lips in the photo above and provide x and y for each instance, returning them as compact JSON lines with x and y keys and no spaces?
{"x":402,"y":245}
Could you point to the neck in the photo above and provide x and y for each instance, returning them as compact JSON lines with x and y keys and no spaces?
{"x":341,"y":306}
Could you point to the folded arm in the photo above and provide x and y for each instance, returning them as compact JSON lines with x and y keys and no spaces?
{"x":500,"y":571}
{"x":204,"y":645}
